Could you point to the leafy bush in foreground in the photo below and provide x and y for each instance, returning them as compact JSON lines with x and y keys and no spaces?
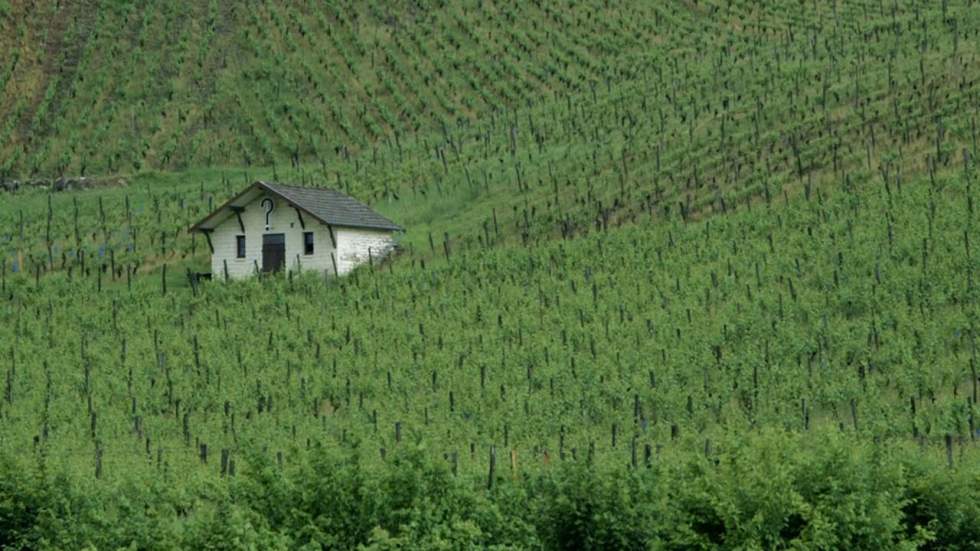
{"x":775,"y":490}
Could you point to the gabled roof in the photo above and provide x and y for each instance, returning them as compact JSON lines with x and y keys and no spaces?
{"x":326,"y":205}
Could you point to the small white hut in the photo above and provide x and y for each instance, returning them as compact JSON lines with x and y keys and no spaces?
{"x":270,"y":227}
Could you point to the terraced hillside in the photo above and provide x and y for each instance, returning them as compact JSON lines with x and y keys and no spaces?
{"x":96,"y":87}
{"x":689,"y":107}
{"x":105,"y":87}
{"x":683,"y":274}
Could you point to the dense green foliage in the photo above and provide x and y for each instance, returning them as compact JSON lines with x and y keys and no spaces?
{"x":771,"y":489}
{"x":684,"y":274}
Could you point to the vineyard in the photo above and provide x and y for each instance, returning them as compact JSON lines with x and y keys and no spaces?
{"x":677,"y":274}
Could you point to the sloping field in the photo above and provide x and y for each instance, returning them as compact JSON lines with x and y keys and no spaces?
{"x":685,"y":275}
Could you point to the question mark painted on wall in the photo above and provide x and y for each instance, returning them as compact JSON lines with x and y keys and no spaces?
{"x":269,"y":206}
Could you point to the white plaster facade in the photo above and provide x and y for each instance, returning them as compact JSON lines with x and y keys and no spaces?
{"x":349,"y":248}
{"x":355,"y":244}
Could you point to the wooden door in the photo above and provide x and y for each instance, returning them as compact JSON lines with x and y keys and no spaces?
{"x":273,"y":252}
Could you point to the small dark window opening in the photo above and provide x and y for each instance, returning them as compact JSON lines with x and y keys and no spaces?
{"x":308,"y":242}
{"x":240,"y":246}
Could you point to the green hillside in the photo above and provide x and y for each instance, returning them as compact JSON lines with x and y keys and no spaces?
{"x":676,"y":275}
{"x":110,"y":86}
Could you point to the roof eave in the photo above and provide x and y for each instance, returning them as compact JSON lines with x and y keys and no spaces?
{"x":291,"y":203}
{"x":370,"y":227}
{"x":198,"y":227}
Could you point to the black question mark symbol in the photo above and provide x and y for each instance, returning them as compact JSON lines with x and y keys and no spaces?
{"x":269,"y":205}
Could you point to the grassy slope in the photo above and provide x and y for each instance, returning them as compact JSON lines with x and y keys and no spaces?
{"x":708,"y":326}
{"x":750,"y":218}
{"x":791,"y":346}
{"x":255,"y":84}
{"x":702,"y":115}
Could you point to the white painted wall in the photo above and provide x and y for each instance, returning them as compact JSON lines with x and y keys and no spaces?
{"x":352,"y":243}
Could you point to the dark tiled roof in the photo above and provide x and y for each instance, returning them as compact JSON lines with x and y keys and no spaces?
{"x":332,"y":207}
{"x":326,"y":205}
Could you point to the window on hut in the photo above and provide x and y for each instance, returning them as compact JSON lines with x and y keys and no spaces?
{"x":308,"y":242}
{"x":240,"y":246}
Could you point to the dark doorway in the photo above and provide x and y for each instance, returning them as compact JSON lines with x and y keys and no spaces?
{"x":273,"y":252}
